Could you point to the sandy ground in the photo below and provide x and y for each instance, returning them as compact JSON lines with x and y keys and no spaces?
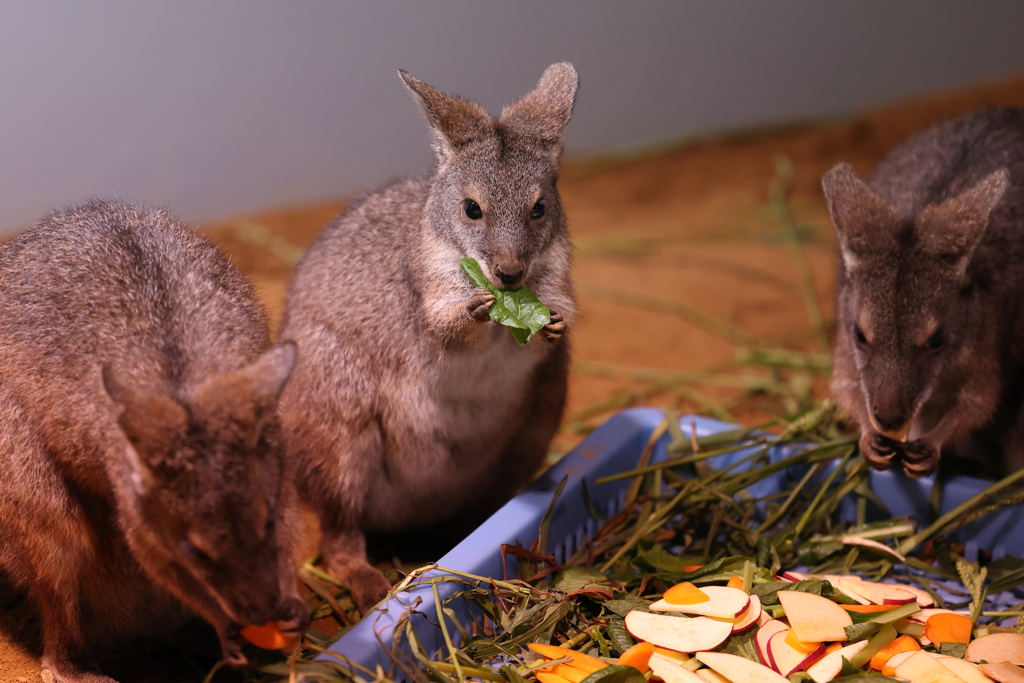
{"x":659,"y":236}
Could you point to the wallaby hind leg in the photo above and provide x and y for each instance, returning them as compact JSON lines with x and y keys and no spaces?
{"x":64,"y":651}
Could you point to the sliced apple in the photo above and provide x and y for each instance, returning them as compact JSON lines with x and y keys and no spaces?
{"x":749,"y":617}
{"x":997,"y":647}
{"x":873,"y":545}
{"x":712,"y":676}
{"x":740,"y":669}
{"x":965,"y":670}
{"x":921,"y":667}
{"x":670,"y":671}
{"x":849,"y":588}
{"x":923,"y":615}
{"x":829,"y":666}
{"x":882,"y":593}
{"x":890,"y":665}
{"x":677,"y":657}
{"x":722,"y":602}
{"x":1004,"y":672}
{"x":924,"y":598}
{"x":763,"y":637}
{"x":681,"y":634}
{"x":794,"y":576}
{"x":815,"y":619}
{"x":786,"y":659}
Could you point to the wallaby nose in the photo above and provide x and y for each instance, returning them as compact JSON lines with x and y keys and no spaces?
{"x":509,"y":275}
{"x":892,"y":425}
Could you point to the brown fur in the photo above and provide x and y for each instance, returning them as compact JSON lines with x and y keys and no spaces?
{"x":409,"y":406}
{"x":144,"y":480}
{"x":932,"y":281}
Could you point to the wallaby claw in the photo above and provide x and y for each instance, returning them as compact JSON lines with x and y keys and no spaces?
{"x":877,"y":450}
{"x":554,"y":330}
{"x":920,"y":458}
{"x":479,"y":304}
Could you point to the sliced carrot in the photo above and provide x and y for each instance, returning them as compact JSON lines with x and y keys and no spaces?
{"x":948,"y":628}
{"x":637,"y":656}
{"x":833,"y":647}
{"x":901,"y":644}
{"x":570,"y":672}
{"x":545,"y":677}
{"x":867,"y":609}
{"x":692,"y":567}
{"x":268,"y":636}
{"x":735,"y":582}
{"x":685,"y":593}
{"x":580,"y":660}
{"x":799,"y":645}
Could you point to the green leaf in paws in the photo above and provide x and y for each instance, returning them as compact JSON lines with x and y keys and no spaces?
{"x":518,"y":309}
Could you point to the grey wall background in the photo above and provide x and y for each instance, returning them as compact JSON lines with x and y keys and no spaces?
{"x":225,"y":106}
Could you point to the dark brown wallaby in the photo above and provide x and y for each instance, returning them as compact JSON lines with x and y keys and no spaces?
{"x":409,"y":405}
{"x":144,"y":479}
{"x":930,"y":328}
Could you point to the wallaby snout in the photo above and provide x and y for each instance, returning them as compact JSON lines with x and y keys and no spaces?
{"x":510,"y":272}
{"x":892,"y":423}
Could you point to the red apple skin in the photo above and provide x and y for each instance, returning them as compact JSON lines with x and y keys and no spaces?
{"x":811,"y":658}
{"x":899,"y":601}
{"x":764,"y":635}
{"x":753,"y":613}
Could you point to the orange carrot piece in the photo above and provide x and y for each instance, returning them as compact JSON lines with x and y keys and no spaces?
{"x":267,"y":636}
{"x":833,"y":647}
{"x":637,"y":656}
{"x":692,"y":567}
{"x":545,"y":677}
{"x":901,"y":644}
{"x":685,"y":593}
{"x":948,"y":628}
{"x":735,"y":582}
{"x":580,"y":660}
{"x":799,"y":645}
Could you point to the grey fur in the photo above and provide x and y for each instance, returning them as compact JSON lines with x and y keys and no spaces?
{"x":932,"y":251}
{"x":138,"y":434}
{"x":408,"y":405}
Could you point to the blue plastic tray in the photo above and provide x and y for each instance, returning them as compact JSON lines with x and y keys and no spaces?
{"x":615,"y":447}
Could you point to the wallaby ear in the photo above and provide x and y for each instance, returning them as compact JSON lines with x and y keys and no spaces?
{"x":544,"y":113}
{"x":455,"y":122}
{"x":242,"y":401}
{"x":269,"y":373}
{"x":950,"y":231}
{"x":150,"y":423}
{"x":864,"y":222}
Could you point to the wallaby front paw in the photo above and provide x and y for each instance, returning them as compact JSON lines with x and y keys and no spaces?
{"x":877,"y":450}
{"x":231,"y":644}
{"x":554,"y":330}
{"x":479,"y":304}
{"x":920,"y":458}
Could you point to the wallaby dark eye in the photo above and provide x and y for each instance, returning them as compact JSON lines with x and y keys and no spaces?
{"x":538,"y":210}
{"x":937,"y":339}
{"x":472,"y":210}
{"x":859,"y":334}
{"x":189,"y":548}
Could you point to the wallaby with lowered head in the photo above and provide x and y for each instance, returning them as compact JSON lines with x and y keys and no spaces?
{"x":930,"y":339}
{"x":144,"y":481}
{"x":409,"y":405}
